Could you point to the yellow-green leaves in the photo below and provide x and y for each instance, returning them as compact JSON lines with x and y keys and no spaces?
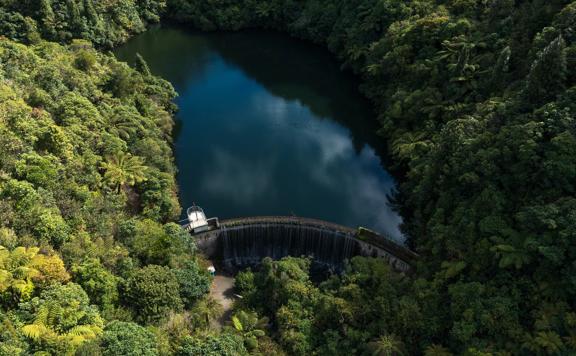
{"x":123,"y":169}
{"x":24,"y":269}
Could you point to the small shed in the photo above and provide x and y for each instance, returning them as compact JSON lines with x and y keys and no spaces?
{"x":197,"y":222}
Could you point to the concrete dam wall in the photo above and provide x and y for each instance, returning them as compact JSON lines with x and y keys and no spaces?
{"x":245,"y":242}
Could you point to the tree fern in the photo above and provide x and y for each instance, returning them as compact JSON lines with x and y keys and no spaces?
{"x":35,"y":331}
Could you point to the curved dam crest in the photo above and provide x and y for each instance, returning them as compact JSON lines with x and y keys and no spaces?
{"x":244,"y":242}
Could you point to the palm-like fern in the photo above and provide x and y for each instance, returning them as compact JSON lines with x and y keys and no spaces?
{"x":250,"y":327}
{"x":511,"y":256}
{"x":124,"y":127}
{"x":16,"y":274}
{"x":387,"y":345}
{"x":123,"y":169}
{"x":207,"y":310}
{"x":408,"y":145}
{"x":45,"y":327}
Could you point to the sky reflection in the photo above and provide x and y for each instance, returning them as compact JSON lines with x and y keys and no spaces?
{"x":270,"y":126}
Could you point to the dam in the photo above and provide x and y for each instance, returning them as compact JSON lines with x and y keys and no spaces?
{"x":244,"y":242}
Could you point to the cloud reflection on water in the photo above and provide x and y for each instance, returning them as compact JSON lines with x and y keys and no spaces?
{"x":365,"y":190}
{"x":237,"y":179}
{"x":270,"y":125}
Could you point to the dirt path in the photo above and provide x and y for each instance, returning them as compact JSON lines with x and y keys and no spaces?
{"x":222,"y":290}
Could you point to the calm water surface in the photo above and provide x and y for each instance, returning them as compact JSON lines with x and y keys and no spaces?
{"x":269,"y":125}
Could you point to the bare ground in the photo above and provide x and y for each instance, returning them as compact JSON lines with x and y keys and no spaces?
{"x":222,"y":290}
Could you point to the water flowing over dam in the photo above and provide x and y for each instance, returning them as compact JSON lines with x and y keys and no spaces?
{"x":245,"y":242}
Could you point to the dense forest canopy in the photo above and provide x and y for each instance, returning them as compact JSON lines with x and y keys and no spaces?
{"x":476,"y":99}
{"x":105,"y":23}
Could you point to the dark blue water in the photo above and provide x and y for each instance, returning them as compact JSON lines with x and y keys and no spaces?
{"x":270,"y":125}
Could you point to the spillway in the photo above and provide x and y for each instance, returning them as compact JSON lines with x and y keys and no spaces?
{"x":245,"y":242}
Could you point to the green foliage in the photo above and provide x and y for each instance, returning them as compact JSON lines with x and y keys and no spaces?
{"x":74,"y":123}
{"x":250,"y":327}
{"x":222,"y":345}
{"x":99,"y":283}
{"x":152,"y":292}
{"x":104,"y":23}
{"x":154,"y":243}
{"x":141,"y":65}
{"x":61,"y":319}
{"x":547,"y":74}
{"x":476,"y":99}
{"x":23,"y":270}
{"x":123,"y":339}
{"x":245,"y":283}
{"x":206,"y":311}
{"x":194,"y":282}
{"x":124,"y":170}
{"x":386,"y":345}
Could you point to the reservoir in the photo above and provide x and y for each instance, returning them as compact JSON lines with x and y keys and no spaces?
{"x":270,"y":125}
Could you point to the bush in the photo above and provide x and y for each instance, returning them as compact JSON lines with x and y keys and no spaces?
{"x":152,"y":292}
{"x":194,"y":283}
{"x":126,"y":339}
{"x":222,"y":345}
{"x":99,"y":284}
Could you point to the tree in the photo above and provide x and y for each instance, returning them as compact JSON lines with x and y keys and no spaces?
{"x":152,"y":292}
{"x":206,"y":311}
{"x":141,"y":65}
{"x":410,"y":146}
{"x":23,"y":270}
{"x":74,"y":18}
{"x":222,"y":345}
{"x":386,"y":345}
{"x":48,"y":20}
{"x":150,"y":10}
{"x":437,"y":350}
{"x":123,"y":169}
{"x":85,"y":59}
{"x":125,"y":339}
{"x":62,"y":318}
{"x":91,"y":14}
{"x":154,"y":243}
{"x":194,"y":283}
{"x":125,"y":126}
{"x":547,"y":74}
{"x":99,"y":284}
{"x":250,"y":327}
{"x":501,"y":69}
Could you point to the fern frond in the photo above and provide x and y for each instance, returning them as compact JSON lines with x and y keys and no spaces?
{"x":35,"y":331}
{"x":237,"y":324}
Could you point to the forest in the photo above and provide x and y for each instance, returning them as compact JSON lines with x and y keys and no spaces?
{"x":475,"y":99}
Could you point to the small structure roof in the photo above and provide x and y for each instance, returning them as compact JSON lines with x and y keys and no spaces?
{"x":196,"y":217}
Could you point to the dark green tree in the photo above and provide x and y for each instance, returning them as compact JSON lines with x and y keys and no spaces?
{"x":100,"y":285}
{"x":194,"y":283}
{"x":48,"y":22}
{"x":127,"y":339}
{"x":222,"y":345}
{"x":74,"y":18}
{"x":152,"y":292}
{"x":141,"y":65}
{"x":547,"y":73}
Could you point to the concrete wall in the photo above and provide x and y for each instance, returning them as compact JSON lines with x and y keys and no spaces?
{"x":370,"y":243}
